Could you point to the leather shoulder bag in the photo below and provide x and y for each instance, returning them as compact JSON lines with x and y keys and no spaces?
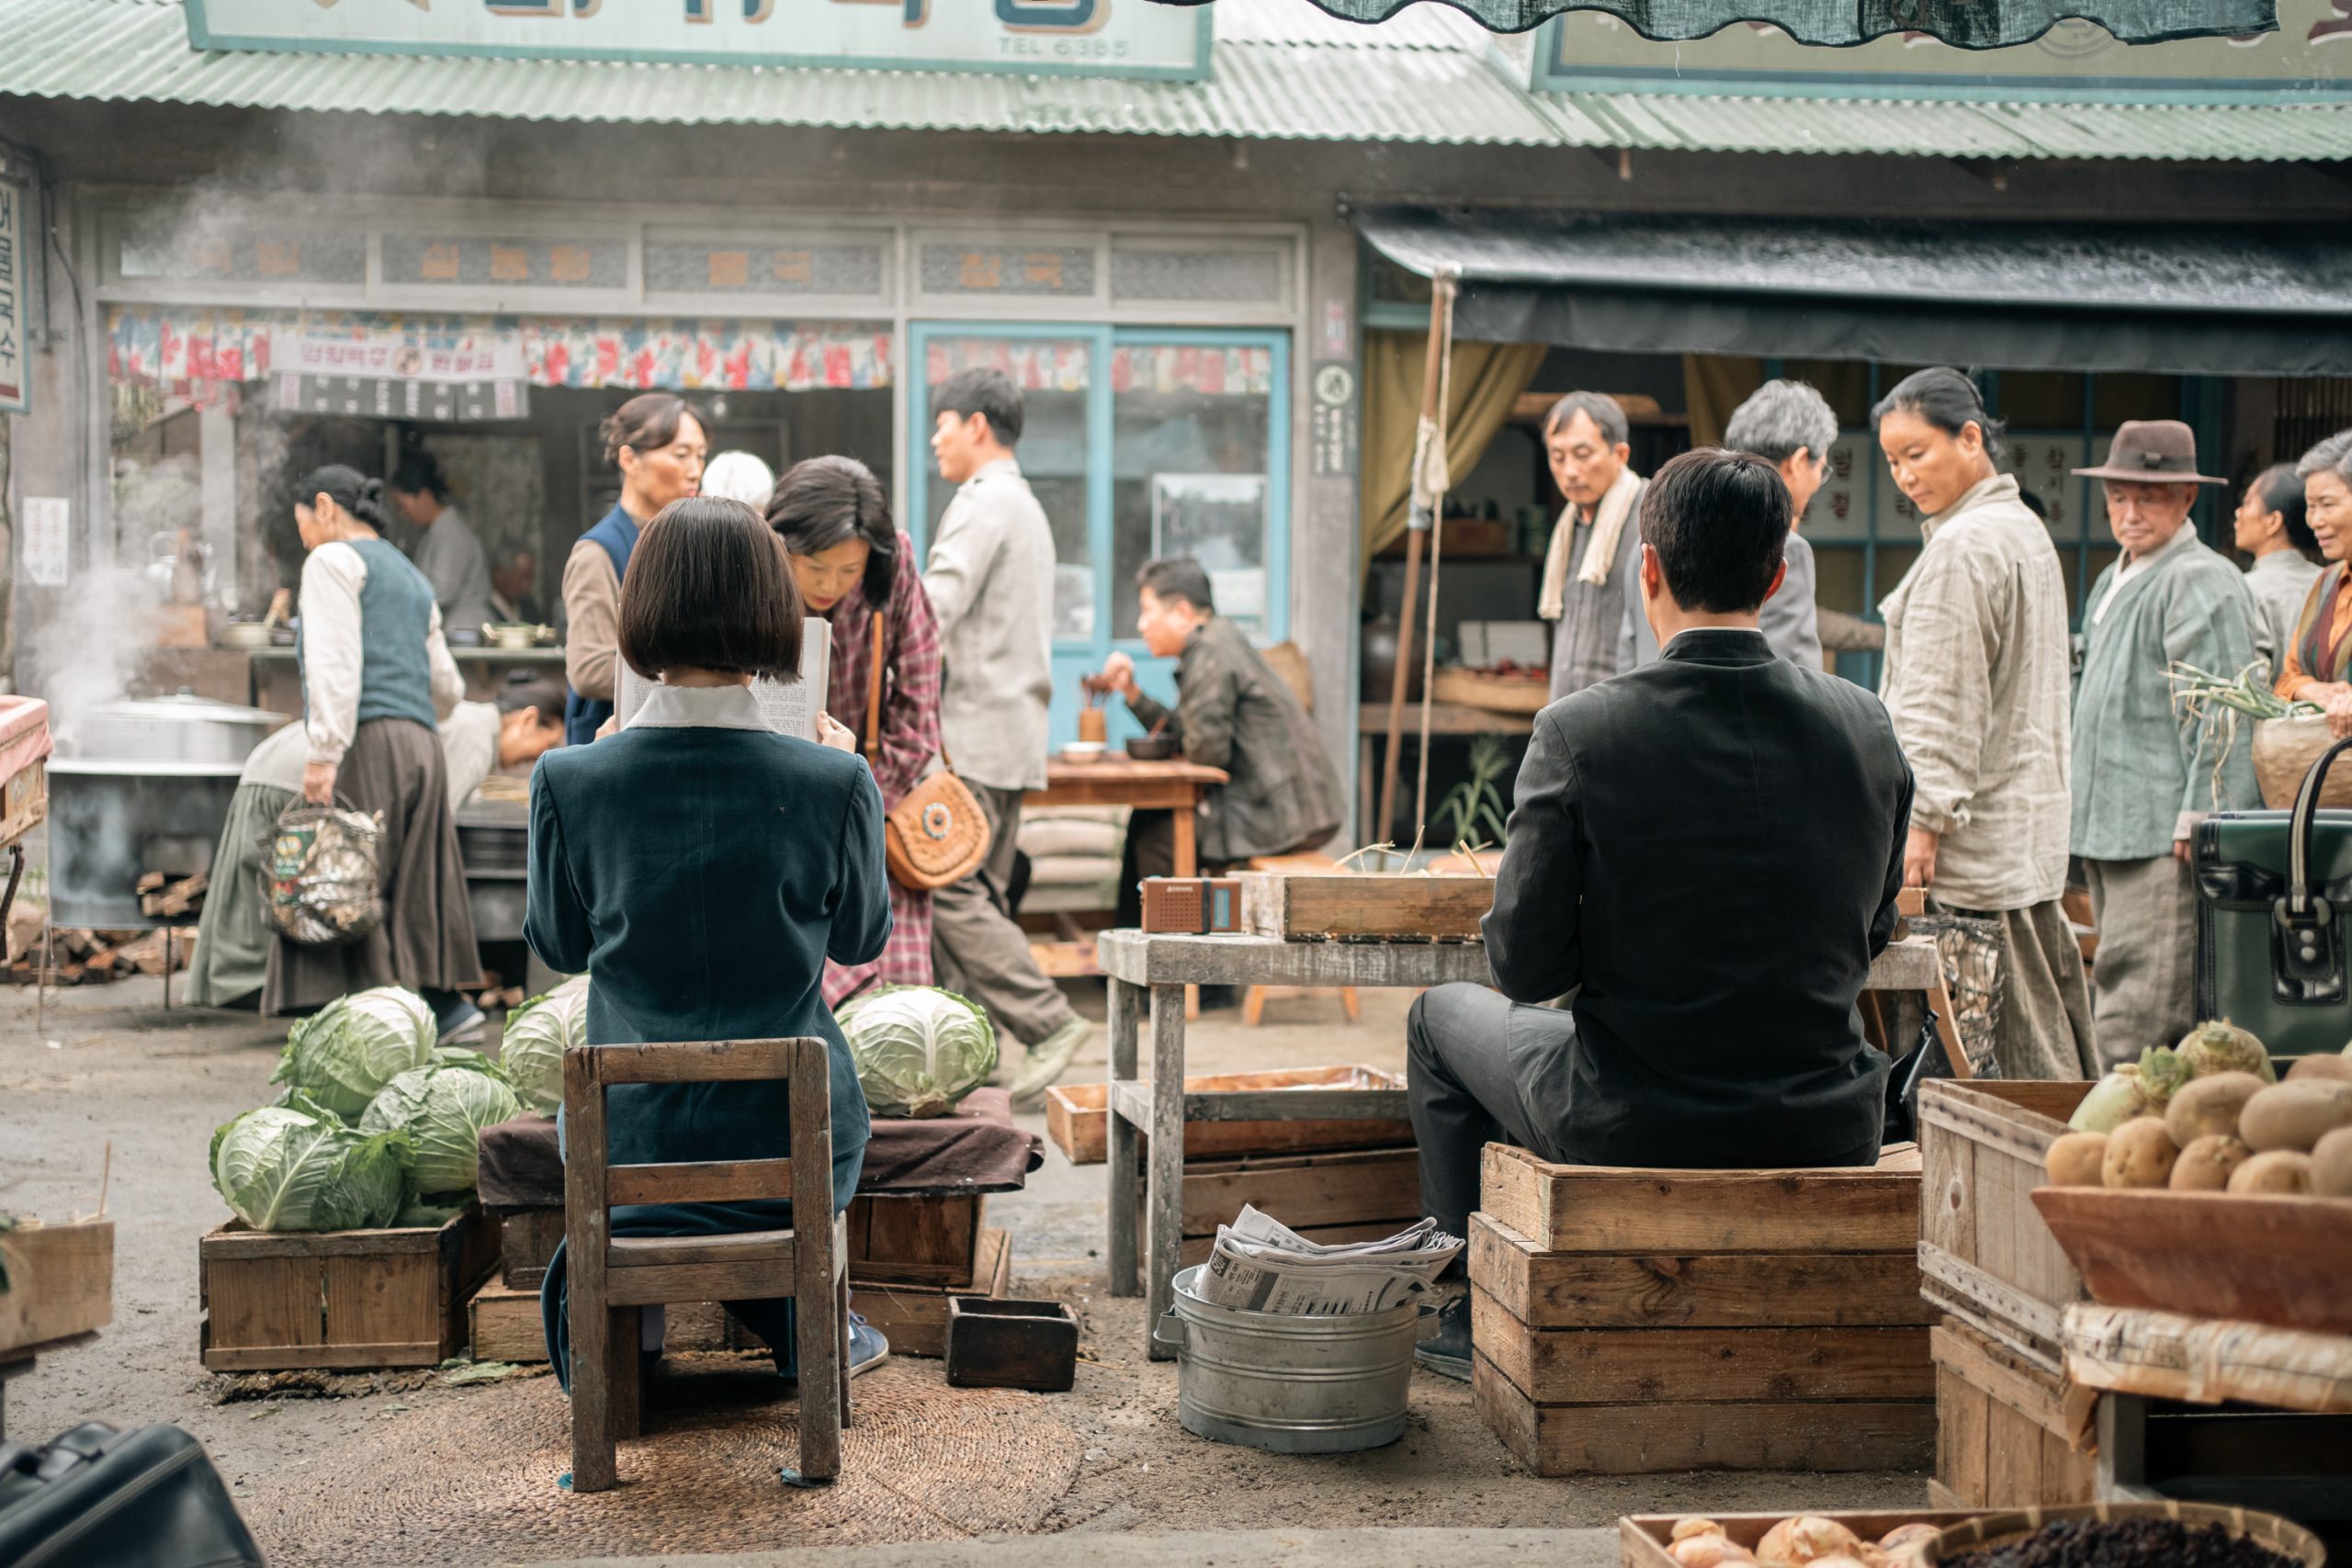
{"x":937,"y":834}
{"x":2274,"y":894}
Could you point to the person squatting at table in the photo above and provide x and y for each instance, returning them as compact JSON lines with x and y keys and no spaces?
{"x":1705,"y":857}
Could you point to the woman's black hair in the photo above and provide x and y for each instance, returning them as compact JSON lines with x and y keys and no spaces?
{"x":419,"y":474}
{"x":709,"y":589}
{"x":2280,"y":489}
{"x":644,"y":424}
{"x":349,"y":488}
{"x":824,"y":500}
{"x":1945,"y":399}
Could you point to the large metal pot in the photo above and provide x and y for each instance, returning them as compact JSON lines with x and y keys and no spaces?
{"x":181,"y":728}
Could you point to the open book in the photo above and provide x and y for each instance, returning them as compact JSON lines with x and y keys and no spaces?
{"x":790,"y":708}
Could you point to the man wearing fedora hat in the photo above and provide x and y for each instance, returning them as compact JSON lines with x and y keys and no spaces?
{"x":2142,"y":775}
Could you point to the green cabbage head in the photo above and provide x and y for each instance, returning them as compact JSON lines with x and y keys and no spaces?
{"x":298,"y":1168}
{"x":536,"y":1035}
{"x":343,"y":1053}
{"x":441,"y":1109}
{"x":918,"y":1049}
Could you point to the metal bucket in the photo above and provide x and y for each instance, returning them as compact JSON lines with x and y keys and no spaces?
{"x":1294,"y":1385}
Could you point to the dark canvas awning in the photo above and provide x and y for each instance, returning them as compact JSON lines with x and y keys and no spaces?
{"x":2158,"y":297}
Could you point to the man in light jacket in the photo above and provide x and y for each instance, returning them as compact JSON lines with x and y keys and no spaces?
{"x":1590,"y":566}
{"x":2145,"y":774}
{"x":990,"y":582}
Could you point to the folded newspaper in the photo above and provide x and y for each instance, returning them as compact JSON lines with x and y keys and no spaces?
{"x":1262,"y":1265}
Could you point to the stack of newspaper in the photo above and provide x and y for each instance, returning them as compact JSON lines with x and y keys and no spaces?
{"x":1262,"y":1265}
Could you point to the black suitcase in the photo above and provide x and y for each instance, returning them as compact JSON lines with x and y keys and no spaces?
{"x":99,"y":1498}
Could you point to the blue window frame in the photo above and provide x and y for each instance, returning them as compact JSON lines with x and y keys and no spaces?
{"x":1138,"y":441}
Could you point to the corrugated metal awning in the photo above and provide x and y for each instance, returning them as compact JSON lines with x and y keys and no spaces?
{"x":1280,"y":71}
{"x":2024,"y":297}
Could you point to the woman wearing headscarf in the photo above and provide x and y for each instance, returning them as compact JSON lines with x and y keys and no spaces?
{"x":376,"y":682}
{"x":1976,"y":683}
{"x":855,"y":569}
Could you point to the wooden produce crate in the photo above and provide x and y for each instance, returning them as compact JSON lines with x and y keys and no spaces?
{"x":1080,"y":1127}
{"x":914,"y":1240}
{"x":61,"y":1281}
{"x":1641,"y":1538}
{"x":1985,"y":1257}
{"x":24,"y":801}
{"x":1344,"y":906}
{"x":1627,"y":1322}
{"x":1360,"y":1195}
{"x":2008,"y":1434}
{"x":2250,"y":1257}
{"x":526,"y":1240}
{"x":274,"y":1302}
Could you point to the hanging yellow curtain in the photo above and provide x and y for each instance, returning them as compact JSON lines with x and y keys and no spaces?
{"x":1716,"y":384}
{"x":1487,"y":379}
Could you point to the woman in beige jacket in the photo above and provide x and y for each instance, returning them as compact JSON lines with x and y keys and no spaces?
{"x":1977,"y":683}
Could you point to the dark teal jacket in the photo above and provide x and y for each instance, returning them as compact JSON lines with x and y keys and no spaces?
{"x":703,"y":875}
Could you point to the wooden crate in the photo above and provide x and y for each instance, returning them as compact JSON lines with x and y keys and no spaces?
{"x":274,"y":1302}
{"x":24,"y":801}
{"x":914,"y":1317}
{"x":2008,"y":1434}
{"x":1357,"y":1195}
{"x":915,"y":1240}
{"x":1628,"y":1363}
{"x":1367,"y":906}
{"x":1630,"y":1321}
{"x":61,"y":1281}
{"x":1985,"y":1257}
{"x":1642,"y":1538}
{"x":2246,"y":1257}
{"x":1079,"y":1125}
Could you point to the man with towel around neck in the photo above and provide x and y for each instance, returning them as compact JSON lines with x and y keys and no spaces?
{"x":1589,"y":567}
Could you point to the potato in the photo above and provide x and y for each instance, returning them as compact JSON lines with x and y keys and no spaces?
{"x":2210,"y":1105}
{"x":2280,"y":1170}
{"x":2295,"y":1116}
{"x":2139,"y":1154}
{"x":2206,"y":1165}
{"x":2338,"y":1068}
{"x":2076,"y":1159}
{"x":2332,"y":1165}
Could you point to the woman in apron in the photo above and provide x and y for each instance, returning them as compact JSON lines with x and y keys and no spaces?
{"x":376,"y":681}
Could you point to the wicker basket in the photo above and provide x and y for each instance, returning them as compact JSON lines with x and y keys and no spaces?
{"x":2284,"y":750}
{"x":2283,"y":1536}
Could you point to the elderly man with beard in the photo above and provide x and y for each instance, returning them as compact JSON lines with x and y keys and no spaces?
{"x":2143,"y":774}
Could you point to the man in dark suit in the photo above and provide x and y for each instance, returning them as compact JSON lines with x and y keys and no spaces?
{"x":1703,"y":855}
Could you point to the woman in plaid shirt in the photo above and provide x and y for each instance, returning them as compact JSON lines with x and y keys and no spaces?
{"x":848,"y":558}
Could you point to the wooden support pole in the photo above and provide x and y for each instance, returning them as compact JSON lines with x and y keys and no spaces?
{"x":1432,"y":379}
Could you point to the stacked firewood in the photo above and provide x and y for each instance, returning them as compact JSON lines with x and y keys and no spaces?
{"x":74,"y":956}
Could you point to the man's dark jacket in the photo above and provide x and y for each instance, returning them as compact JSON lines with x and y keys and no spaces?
{"x":1234,"y":712}
{"x":1706,"y":851}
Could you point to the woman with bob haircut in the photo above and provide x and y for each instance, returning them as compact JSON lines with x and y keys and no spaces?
{"x":855,"y":569}
{"x":705,"y":869}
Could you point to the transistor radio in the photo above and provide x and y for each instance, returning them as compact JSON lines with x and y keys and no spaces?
{"x":1195,"y":904}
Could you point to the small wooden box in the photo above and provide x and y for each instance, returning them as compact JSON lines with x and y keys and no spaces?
{"x":1341,"y":907}
{"x":1985,"y":1255}
{"x":2008,"y":1434}
{"x":1079,"y":1125}
{"x":1627,"y":1322}
{"x":61,"y":1281}
{"x":1195,"y":906}
{"x":527,"y":1241}
{"x":24,"y":800}
{"x":1008,"y":1344}
{"x":274,"y":1302}
{"x":914,"y":1240}
{"x":914,"y":1317}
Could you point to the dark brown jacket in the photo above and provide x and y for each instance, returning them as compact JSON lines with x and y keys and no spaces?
{"x":1233,"y":712}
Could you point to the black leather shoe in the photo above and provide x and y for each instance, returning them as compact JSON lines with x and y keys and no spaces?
{"x":1447,"y":1352}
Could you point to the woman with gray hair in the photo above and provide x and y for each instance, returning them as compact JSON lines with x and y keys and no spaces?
{"x":2318,"y":663}
{"x":1977,"y":683}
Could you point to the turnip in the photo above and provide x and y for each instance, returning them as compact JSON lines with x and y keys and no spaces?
{"x":2220,"y":1046}
{"x":2112,"y":1101}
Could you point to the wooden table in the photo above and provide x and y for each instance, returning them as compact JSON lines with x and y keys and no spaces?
{"x":1115,"y":779}
{"x":1137,"y":964}
{"x":1453,"y":720}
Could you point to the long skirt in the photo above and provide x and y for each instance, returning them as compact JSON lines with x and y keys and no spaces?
{"x":232,"y":941}
{"x":396,"y":767}
{"x":906,"y":957}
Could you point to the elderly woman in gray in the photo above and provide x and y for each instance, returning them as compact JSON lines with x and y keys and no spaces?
{"x":1977,"y":683}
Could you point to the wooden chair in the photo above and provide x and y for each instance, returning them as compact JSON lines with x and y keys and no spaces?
{"x":1254,"y":999}
{"x":613,"y":1277}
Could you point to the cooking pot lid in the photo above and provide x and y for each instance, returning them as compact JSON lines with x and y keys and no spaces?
{"x":184,"y":708}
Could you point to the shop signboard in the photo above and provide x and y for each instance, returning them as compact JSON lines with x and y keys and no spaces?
{"x":392,"y":373}
{"x":2309,"y":58}
{"x":15,"y":268}
{"x":1079,"y":38}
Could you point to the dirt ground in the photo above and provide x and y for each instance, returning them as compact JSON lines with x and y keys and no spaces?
{"x":413,"y":1471}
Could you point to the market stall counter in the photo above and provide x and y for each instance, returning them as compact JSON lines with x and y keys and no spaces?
{"x":915,"y":1230}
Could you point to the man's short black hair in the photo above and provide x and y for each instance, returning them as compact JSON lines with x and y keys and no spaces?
{"x":983,"y":392}
{"x":1719,"y":522}
{"x":709,"y":589}
{"x":1178,"y":577}
{"x":419,"y":474}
